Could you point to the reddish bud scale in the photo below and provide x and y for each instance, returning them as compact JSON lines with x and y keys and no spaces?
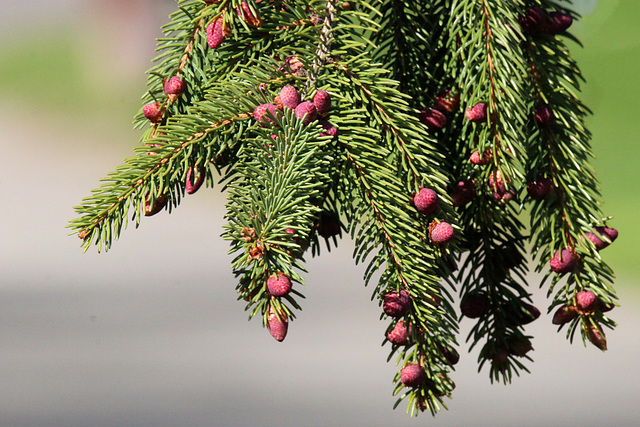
{"x":396,"y":304}
{"x":477,"y":113}
{"x":413,"y":375}
{"x":195,"y":178}
{"x":322,"y":102}
{"x":216,"y":33}
{"x":426,"y":201}
{"x":278,"y":285}
{"x":432,"y":119}
{"x":289,"y":97}
{"x":277,"y":325}
{"x":441,"y":233}
{"x":563,"y":261}
{"x":153,"y":112}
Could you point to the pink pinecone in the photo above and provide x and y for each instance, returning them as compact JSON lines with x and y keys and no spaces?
{"x":153,"y":112}
{"x":322,"y":102}
{"x":413,"y":375}
{"x":329,"y":129}
{"x":306,"y":111}
{"x":564,"y":314}
{"x":400,"y":334}
{"x":586,"y":301}
{"x":289,"y":97}
{"x":432,"y":119}
{"x":481,"y":160}
{"x":563,"y":261}
{"x":277,"y":325}
{"x":249,"y":17}
{"x":475,"y":305}
{"x":558,"y":23}
{"x":174,"y":86}
{"x":477,"y":113}
{"x":278,"y":285}
{"x":544,"y":115}
{"x":426,"y":201}
{"x":441,"y":233}
{"x":540,"y":188}
{"x":260,"y":113}
{"x":609,"y":233}
{"x":534,"y":20}
{"x":216,"y":33}
{"x":462,"y":193}
{"x":396,"y":304}
{"x":195,"y":178}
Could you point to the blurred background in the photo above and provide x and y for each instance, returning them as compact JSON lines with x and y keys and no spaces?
{"x":151,"y":334}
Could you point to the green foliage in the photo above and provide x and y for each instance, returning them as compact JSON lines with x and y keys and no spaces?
{"x":401,"y":76}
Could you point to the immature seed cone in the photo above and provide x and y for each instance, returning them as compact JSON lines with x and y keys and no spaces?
{"x":261,"y":116}
{"x":253,"y":20}
{"x":396,"y":304}
{"x":564,"y":314}
{"x":158,"y":205}
{"x":558,"y":23}
{"x":563,"y":261}
{"x":477,"y":113}
{"x":289,"y":97}
{"x":540,"y":188}
{"x":322,"y":102}
{"x":174,"y":86}
{"x":519,"y":346}
{"x":544,"y":115}
{"x":153,"y":112}
{"x":586,"y":301}
{"x":277,"y":325}
{"x":597,"y":337}
{"x":306,"y":111}
{"x":413,"y":375}
{"x":609,"y":233}
{"x":462,"y":193}
{"x":329,"y":129}
{"x":328,"y":225}
{"x":433,"y":119}
{"x":400,"y":334}
{"x":481,"y":160}
{"x":534,"y":20}
{"x":475,"y":305}
{"x":450,"y":354}
{"x":441,"y":233}
{"x":447,"y":102}
{"x":216,"y":33}
{"x":278,"y":285}
{"x":195,"y":178}
{"x":527,"y":314}
{"x":426,"y":201}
